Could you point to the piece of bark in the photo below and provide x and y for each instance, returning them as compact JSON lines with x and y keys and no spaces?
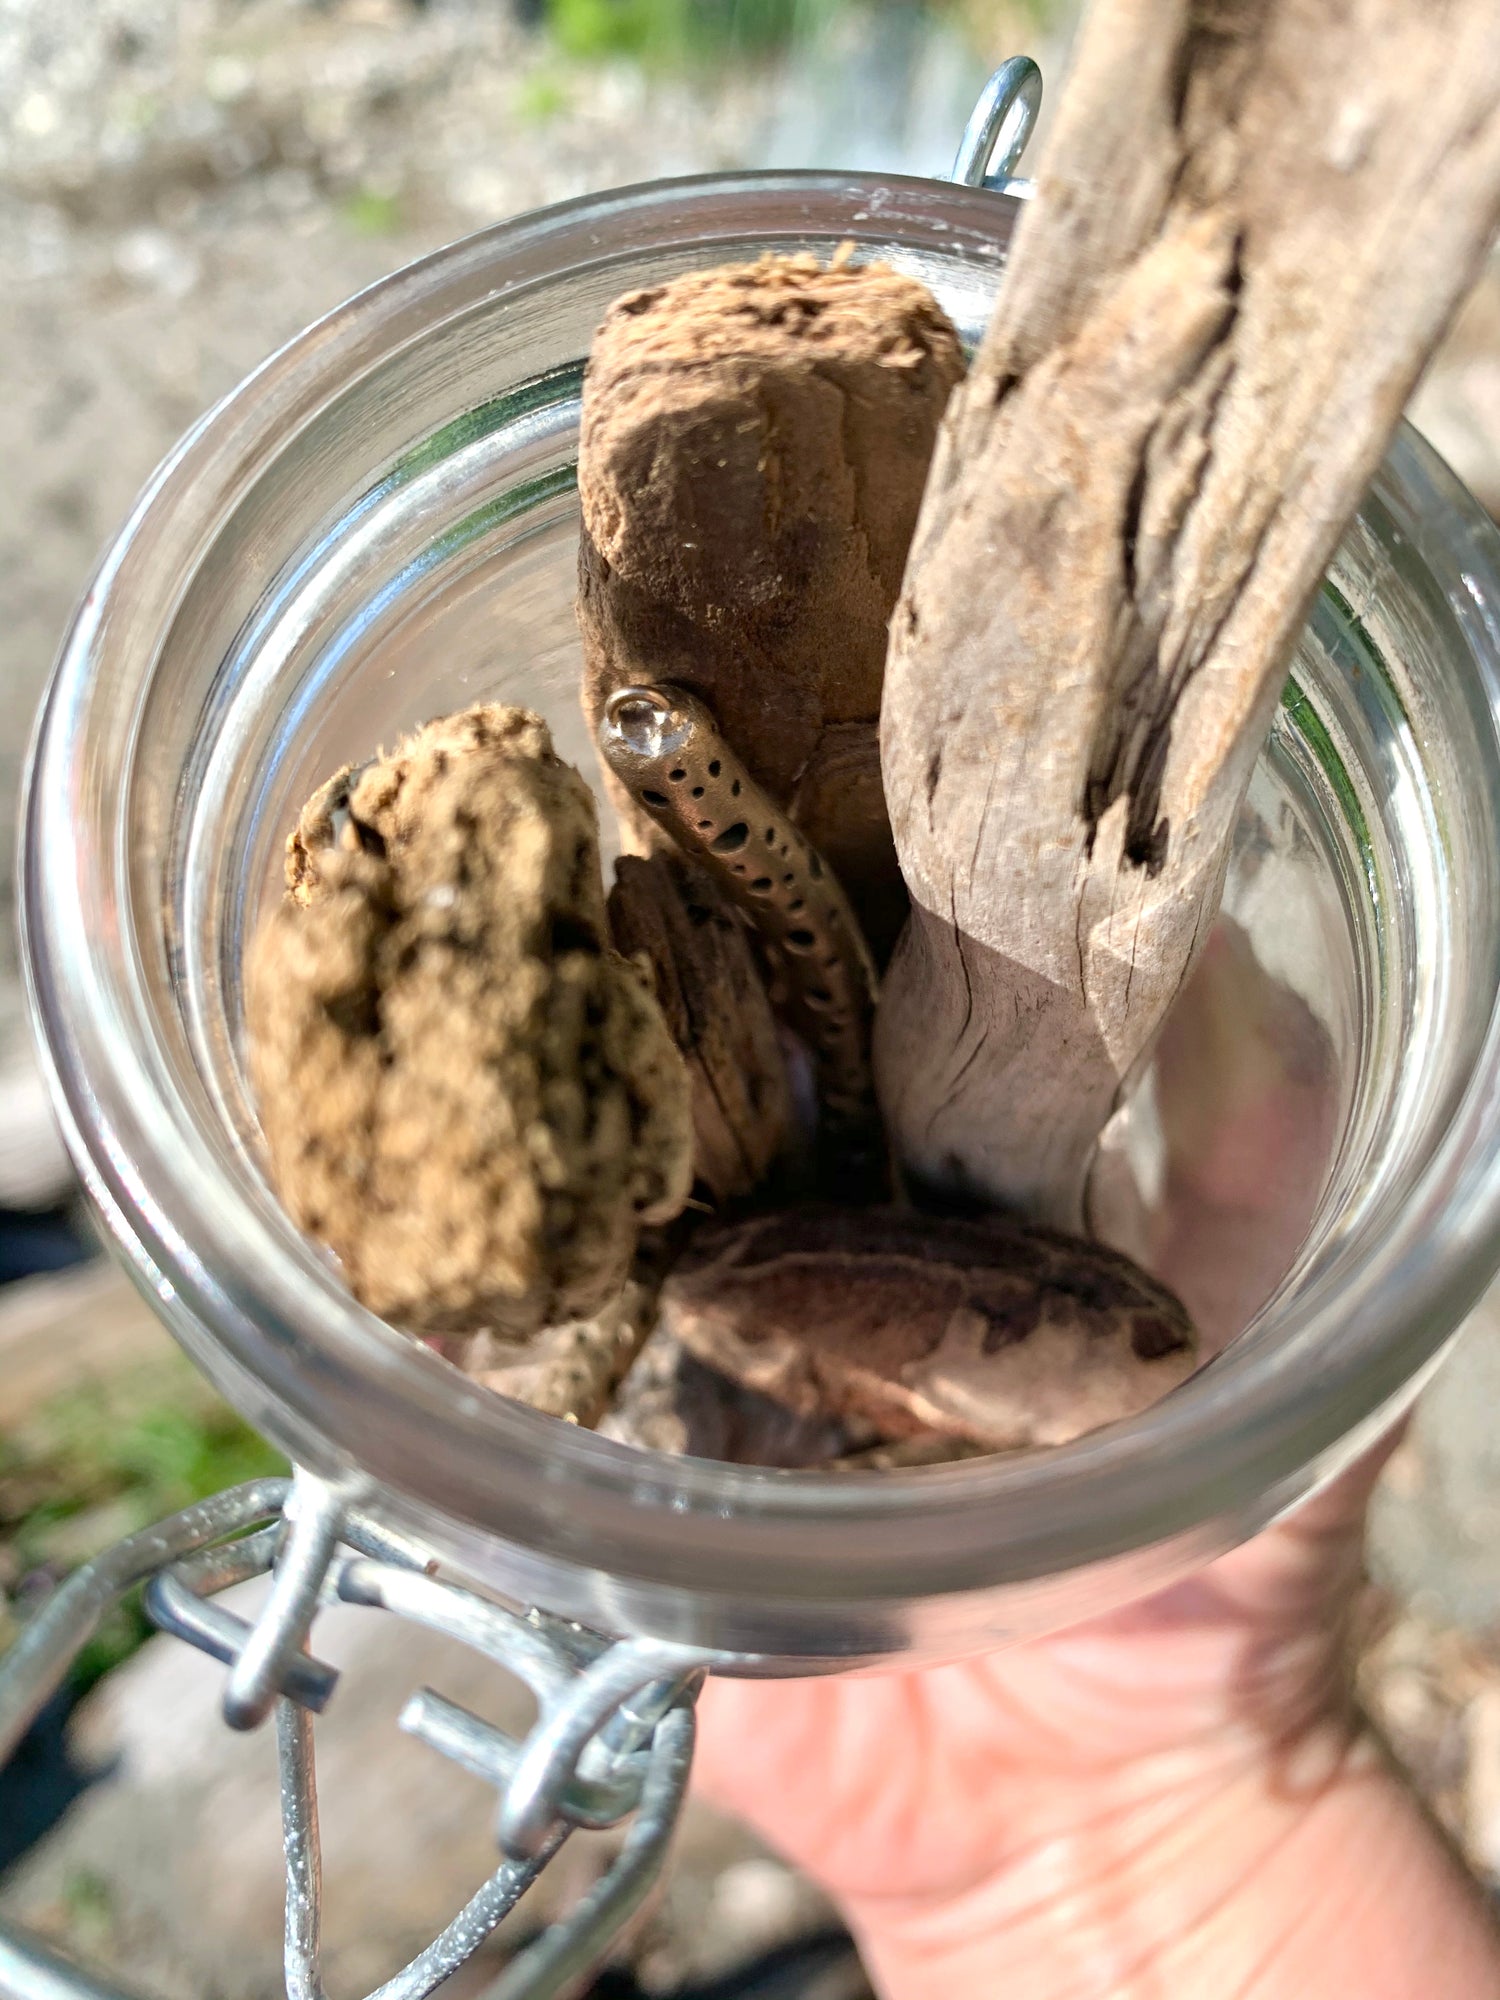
{"x":668,"y":751}
{"x":989,"y":1330}
{"x":569,"y":1370}
{"x":465,"y":1093}
{"x":753,"y":446}
{"x":1253,"y":221}
{"x":672,"y":1402}
{"x":670,"y":913}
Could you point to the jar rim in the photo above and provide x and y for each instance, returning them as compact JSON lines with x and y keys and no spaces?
{"x":274,"y":1325}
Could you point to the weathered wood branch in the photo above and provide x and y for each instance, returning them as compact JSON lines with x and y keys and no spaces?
{"x":1254,"y":219}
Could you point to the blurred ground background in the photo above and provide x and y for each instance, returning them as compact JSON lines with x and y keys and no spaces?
{"x":183,"y":185}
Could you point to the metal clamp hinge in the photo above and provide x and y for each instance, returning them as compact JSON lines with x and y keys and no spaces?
{"x":612,"y":1739}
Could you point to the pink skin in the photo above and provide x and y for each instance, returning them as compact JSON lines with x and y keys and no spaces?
{"x":1176,"y":1801}
{"x":1249,"y":1106}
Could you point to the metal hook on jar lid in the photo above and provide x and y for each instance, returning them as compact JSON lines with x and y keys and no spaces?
{"x":1000,"y":128}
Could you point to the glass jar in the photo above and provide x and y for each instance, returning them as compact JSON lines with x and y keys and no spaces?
{"x":380,"y":525}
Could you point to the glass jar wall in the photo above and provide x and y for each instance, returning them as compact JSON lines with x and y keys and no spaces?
{"x":380,"y":525}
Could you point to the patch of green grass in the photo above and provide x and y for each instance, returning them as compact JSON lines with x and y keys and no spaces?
{"x":369,"y":213}
{"x":668,"y":33}
{"x":540,"y":97}
{"x":594,"y":29}
{"x":675,"y":31}
{"x":88,"y":1905}
{"x":108,"y":1458}
{"x":1300,"y":711}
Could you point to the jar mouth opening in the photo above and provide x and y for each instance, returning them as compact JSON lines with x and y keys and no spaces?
{"x":266,"y":1315}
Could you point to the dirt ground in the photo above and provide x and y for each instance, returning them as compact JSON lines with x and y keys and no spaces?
{"x":183,"y":187}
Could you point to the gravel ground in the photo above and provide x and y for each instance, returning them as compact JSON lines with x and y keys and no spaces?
{"x":182,"y":187}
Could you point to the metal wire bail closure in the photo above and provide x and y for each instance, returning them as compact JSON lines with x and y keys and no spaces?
{"x":1000,"y":128}
{"x":612,"y":1741}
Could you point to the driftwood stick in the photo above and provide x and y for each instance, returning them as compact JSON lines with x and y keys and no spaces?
{"x":1254,"y":220}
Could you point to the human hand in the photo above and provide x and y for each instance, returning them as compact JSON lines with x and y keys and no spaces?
{"x":912,"y":1783}
{"x":1175,"y":1799}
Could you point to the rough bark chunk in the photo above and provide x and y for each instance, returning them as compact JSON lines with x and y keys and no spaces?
{"x":671,"y":914}
{"x":570,"y":1370}
{"x":986,"y":1330}
{"x":672,"y":1402}
{"x":466,"y":1094}
{"x":754,"y":444}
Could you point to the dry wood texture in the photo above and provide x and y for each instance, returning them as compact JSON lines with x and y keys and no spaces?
{"x":671,"y":914}
{"x":1254,"y":219}
{"x":753,"y":448}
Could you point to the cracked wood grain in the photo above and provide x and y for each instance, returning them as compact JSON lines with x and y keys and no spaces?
{"x":1254,"y":220}
{"x":670,"y":913}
